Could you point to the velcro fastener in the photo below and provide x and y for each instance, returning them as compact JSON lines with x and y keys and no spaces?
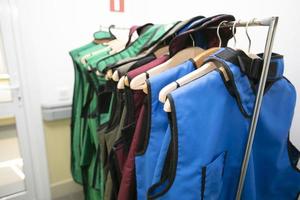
{"x":253,"y":67}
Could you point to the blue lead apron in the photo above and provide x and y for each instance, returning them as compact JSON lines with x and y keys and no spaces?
{"x":207,"y":143}
{"x":157,"y":118}
{"x":272,"y":171}
{"x":145,"y":160}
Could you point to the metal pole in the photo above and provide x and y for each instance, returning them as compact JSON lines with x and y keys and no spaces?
{"x":258,"y":101}
{"x":255,"y":22}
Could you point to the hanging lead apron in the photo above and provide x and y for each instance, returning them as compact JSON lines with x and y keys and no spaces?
{"x":145,"y":160}
{"x":272,"y":171}
{"x":77,"y":105}
{"x":92,"y":176}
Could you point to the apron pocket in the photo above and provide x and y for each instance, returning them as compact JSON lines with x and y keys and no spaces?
{"x":212,"y":178}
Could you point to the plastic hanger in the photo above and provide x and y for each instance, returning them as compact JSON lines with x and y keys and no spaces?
{"x":138,"y":82}
{"x":203,"y":70}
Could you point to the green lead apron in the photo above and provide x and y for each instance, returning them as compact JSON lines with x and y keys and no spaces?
{"x":76,"y":114}
{"x":91,"y":149}
{"x":76,"y":122}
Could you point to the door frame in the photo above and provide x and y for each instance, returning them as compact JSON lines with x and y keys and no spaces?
{"x":26,"y":107}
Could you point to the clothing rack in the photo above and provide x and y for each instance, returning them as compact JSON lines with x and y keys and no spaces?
{"x":272,"y":24}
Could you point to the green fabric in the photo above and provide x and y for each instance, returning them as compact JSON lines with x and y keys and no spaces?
{"x":99,"y":35}
{"x":76,"y":114}
{"x":84,"y":142}
{"x":145,"y":40}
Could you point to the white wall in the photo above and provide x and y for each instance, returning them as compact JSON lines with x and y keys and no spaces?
{"x":55,"y":27}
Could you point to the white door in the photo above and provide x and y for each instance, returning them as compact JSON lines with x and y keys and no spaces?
{"x":17,"y":156}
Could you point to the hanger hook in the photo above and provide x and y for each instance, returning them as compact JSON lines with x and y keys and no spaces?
{"x":218,"y":33}
{"x":249,"y":39}
{"x":233,"y":32}
{"x":112,"y":26}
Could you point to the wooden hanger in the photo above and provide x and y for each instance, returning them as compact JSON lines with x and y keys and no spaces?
{"x":137,"y":83}
{"x":198,"y":73}
{"x":203,"y":70}
{"x":161,"y":51}
{"x":198,"y":60}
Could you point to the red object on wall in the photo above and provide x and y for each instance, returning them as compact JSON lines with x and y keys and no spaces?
{"x":117,"y":5}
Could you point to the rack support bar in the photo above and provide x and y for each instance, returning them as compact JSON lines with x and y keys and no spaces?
{"x":258,"y":101}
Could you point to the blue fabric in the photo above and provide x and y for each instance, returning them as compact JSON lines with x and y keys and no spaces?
{"x":199,"y":39}
{"x":201,"y":133}
{"x":270,"y":174}
{"x":191,"y":25}
{"x":145,"y":162}
{"x":209,"y":135}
